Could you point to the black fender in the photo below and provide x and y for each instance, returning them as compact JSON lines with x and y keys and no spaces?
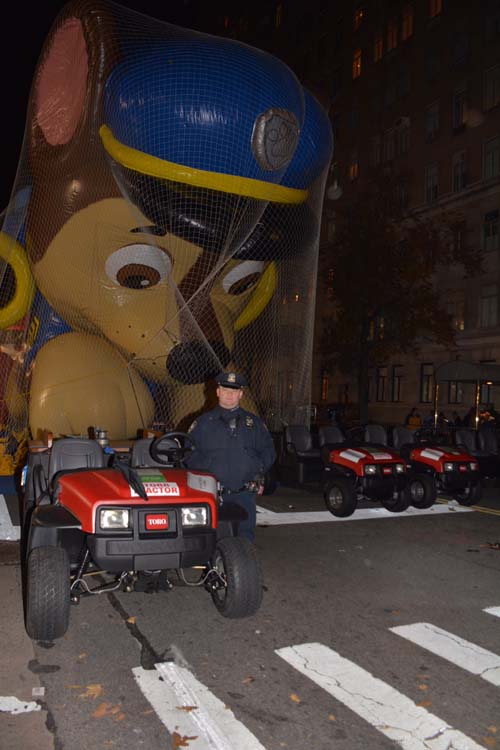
{"x":53,"y":525}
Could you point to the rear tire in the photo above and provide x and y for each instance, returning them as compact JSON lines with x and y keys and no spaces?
{"x":421,"y":491}
{"x":340,"y":497}
{"x":396,"y":504}
{"x":47,"y":593}
{"x":236,"y":562}
{"x":471,"y":495}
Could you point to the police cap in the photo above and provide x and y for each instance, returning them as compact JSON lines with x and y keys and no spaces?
{"x":231,"y":380}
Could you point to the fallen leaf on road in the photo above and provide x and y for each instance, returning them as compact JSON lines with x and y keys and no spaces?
{"x":423,"y":687}
{"x":493,"y":729}
{"x":107,"y":709}
{"x":294,"y":697}
{"x":132,"y":620}
{"x":82,"y":656}
{"x":424,"y":704}
{"x":248,"y":680}
{"x":92,"y":691}
{"x":187,"y":708}
{"x":181,"y":741}
{"x":490,"y":741}
{"x":331,"y":717}
{"x":491,"y":545}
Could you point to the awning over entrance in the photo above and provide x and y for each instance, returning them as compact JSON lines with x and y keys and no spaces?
{"x":467,"y":372}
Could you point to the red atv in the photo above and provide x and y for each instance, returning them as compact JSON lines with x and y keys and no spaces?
{"x":137,"y":516}
{"x":451,"y":469}
{"x":357,"y":470}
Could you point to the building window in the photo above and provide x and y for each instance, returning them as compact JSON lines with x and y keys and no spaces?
{"x":455,"y":392}
{"x":432,"y":65}
{"x":358,"y":18}
{"x":392,"y":35}
{"x":397,"y":383}
{"x":402,"y":194}
{"x":431,"y":183}
{"x":455,"y":307}
{"x":426,"y":382}
{"x":389,"y":145}
{"x":279,"y":15}
{"x":378,"y":47}
{"x":491,"y":88}
{"x":490,"y":231}
{"x":460,"y":48}
{"x":407,"y":23}
{"x":488,"y":306}
{"x":485,"y":397}
{"x":356,"y":64}
{"x":459,"y":108}
{"x":403,"y":139}
{"x":435,"y":8}
{"x":325,"y":383}
{"x":458,"y":172}
{"x":432,"y":121}
{"x":375,"y":150}
{"x":354,"y":166}
{"x":491,"y":158}
{"x":381,"y":383}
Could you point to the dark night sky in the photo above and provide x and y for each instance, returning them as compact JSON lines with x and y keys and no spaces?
{"x":24,"y":31}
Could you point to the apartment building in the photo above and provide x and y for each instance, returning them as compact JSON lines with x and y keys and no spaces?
{"x":413,"y":91}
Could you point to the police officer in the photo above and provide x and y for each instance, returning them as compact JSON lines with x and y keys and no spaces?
{"x":235,"y":446}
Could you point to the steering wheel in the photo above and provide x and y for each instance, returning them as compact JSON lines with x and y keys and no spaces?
{"x":171,"y":447}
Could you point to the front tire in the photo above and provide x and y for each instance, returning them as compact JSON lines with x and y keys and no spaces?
{"x":421,"y":491}
{"x":237,"y":565}
{"x":340,"y":497}
{"x":471,"y":495}
{"x":47,"y":593}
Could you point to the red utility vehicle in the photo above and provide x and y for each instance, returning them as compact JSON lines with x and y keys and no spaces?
{"x":135,"y":520}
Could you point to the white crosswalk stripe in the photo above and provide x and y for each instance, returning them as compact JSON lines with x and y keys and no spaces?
{"x":454,"y":649}
{"x":495,"y":611}
{"x":187,"y":708}
{"x":390,"y":712}
{"x":8,"y":532}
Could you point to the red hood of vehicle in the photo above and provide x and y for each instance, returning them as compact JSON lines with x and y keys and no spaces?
{"x":83,"y":492}
{"x":356,"y":458}
{"x":436,"y":456}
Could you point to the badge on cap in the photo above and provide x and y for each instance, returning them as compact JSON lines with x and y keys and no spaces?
{"x":231,"y":377}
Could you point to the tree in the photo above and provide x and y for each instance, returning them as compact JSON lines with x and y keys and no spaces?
{"x":382,"y":268}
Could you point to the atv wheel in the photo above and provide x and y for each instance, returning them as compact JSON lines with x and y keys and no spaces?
{"x":340,"y":497}
{"x":421,"y":491}
{"x":47,"y":593}
{"x":471,"y":495}
{"x":397,"y":503}
{"x":238,"y":567}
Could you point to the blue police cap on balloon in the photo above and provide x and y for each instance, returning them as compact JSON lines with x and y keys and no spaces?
{"x":209,"y":112}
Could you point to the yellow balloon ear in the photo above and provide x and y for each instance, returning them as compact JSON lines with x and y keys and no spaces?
{"x":17,"y":305}
{"x":259,"y":299}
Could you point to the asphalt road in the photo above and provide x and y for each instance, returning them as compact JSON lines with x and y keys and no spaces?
{"x":372,"y":634}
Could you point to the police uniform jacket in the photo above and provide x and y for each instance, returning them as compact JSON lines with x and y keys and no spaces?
{"x":233,"y":444}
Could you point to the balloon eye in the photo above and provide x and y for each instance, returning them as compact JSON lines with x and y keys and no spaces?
{"x":243,"y":284}
{"x":243,"y":277}
{"x":138,"y":276}
{"x":138,"y":266}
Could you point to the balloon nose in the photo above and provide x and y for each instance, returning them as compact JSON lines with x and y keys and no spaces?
{"x":196,"y":362}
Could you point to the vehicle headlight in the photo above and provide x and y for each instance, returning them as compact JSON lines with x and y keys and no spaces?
{"x":449,"y":466}
{"x":195,"y":516}
{"x":370,"y":469}
{"x":114,"y":518}
{"x":473,"y":466}
{"x":400,"y":468}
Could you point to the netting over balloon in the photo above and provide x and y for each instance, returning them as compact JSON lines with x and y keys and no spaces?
{"x":163,"y":226}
